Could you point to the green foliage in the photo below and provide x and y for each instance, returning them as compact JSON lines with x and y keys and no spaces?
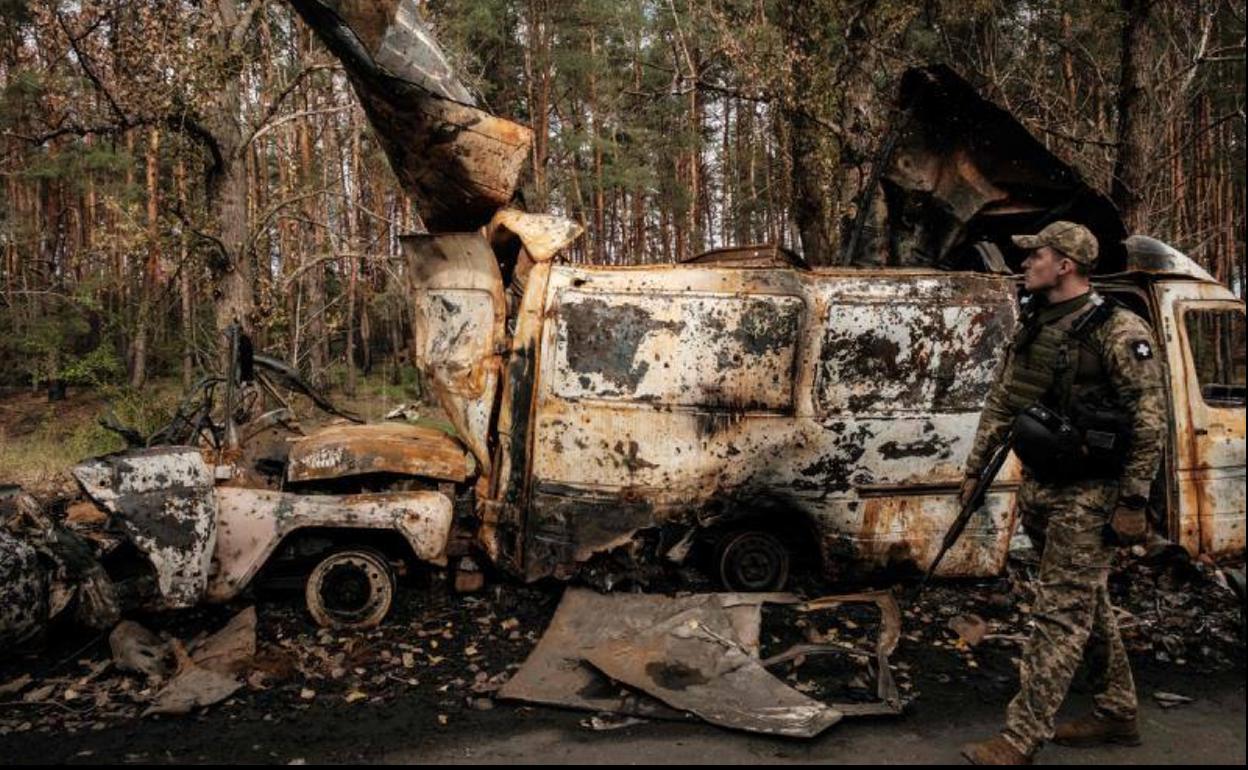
{"x":145,"y":409}
{"x":57,"y":338}
{"x":98,"y":368}
{"x":49,"y":339}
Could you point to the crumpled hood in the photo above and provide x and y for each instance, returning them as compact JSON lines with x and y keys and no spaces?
{"x":962,"y":170}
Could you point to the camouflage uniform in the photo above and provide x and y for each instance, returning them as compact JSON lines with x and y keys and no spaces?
{"x":1066,"y":519}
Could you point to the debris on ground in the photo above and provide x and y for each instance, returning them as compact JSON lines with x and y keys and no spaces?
{"x":970,"y":628}
{"x":1169,"y":699}
{"x":136,"y":649}
{"x":668,"y":657}
{"x":445,"y":658}
{"x":608,"y":721}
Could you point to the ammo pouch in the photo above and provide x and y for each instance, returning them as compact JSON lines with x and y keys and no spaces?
{"x":1091,"y":444}
{"x":1107,"y":435}
{"x":1047,"y":443}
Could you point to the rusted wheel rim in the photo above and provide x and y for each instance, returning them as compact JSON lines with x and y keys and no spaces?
{"x":350,"y":589}
{"x":754,"y":561}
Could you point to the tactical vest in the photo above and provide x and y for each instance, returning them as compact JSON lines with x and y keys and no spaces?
{"x":1052,"y":355}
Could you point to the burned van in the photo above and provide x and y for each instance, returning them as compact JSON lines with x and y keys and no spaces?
{"x":762,"y":414}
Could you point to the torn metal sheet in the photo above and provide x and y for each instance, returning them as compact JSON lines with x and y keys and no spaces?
{"x":459,"y":162}
{"x":192,"y":687}
{"x":389,"y":447}
{"x":208,"y":672}
{"x":162,"y":498}
{"x":543,"y":235}
{"x":692,"y":661}
{"x":556,"y":673}
{"x":460,"y":328}
{"x":889,"y":702}
{"x":1149,"y":255}
{"x":253,"y":522}
{"x":695,"y":654}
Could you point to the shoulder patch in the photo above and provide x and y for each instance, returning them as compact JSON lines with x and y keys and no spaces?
{"x":1142,"y":349}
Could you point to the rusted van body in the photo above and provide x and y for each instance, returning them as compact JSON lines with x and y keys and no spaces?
{"x":642,"y":407}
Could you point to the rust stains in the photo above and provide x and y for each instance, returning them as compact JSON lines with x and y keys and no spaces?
{"x":604,"y":339}
{"x":351,"y":450}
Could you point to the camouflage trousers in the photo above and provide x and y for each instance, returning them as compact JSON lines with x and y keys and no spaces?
{"x":1072,"y":614}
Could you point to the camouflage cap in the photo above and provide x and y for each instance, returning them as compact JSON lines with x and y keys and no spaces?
{"x":1074,"y":241}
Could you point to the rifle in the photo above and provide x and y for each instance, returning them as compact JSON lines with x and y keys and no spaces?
{"x":989,"y":474}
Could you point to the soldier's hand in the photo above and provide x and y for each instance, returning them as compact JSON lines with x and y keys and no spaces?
{"x":968,"y":489}
{"x":1128,"y":524}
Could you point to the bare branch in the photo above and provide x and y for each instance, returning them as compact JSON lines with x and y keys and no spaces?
{"x":1076,"y":139}
{"x":266,"y":128}
{"x":276,"y":104}
{"x":263,"y":221}
{"x":210,"y":238}
{"x":84,"y":61}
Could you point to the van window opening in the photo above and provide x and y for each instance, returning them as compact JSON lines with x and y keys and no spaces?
{"x":1216,"y":339}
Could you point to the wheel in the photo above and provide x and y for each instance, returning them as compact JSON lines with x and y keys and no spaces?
{"x":752,"y":560}
{"x":351,"y":588}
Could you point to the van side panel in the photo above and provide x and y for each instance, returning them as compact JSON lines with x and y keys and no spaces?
{"x":675,"y":397}
{"x":904,"y":365}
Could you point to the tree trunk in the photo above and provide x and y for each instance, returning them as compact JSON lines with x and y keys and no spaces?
{"x":226,"y":195}
{"x":353,"y":242}
{"x":813,"y":149}
{"x":147,"y":287}
{"x":184,"y":286}
{"x":1130,"y":174}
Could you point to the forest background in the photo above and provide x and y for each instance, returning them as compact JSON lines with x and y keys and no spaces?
{"x":166,"y":165}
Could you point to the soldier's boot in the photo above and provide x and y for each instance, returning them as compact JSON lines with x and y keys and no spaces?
{"x":1097,"y":730}
{"x":995,"y":751}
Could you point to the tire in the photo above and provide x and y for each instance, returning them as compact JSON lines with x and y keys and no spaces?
{"x":351,"y":588}
{"x":752,"y":560}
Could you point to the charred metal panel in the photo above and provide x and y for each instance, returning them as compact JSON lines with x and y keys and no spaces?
{"x":389,"y":447}
{"x":24,"y":587}
{"x":695,"y":654}
{"x":542,"y":235}
{"x":162,"y":498}
{"x":459,"y":162}
{"x":631,"y":430}
{"x":1210,"y":434}
{"x":678,"y":348}
{"x":1149,"y":255}
{"x":252,"y":522}
{"x":929,"y":346}
{"x":460,"y":315}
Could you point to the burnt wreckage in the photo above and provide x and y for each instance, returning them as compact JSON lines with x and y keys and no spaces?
{"x":740,"y":406}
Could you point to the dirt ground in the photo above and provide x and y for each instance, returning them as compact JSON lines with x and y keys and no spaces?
{"x":420,"y":689}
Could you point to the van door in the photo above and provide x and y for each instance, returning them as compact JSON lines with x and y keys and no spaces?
{"x":460,"y":317}
{"x":1210,"y":451}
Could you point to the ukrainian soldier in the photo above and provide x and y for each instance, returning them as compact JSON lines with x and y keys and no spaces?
{"x":1080,"y":395}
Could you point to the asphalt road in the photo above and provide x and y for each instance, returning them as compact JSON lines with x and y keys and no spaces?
{"x":1209,"y":730}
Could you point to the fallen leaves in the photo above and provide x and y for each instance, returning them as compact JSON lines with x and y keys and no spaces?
{"x":1169,"y":699}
